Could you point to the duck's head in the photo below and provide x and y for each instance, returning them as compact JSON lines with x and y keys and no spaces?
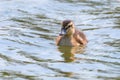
{"x":67,"y":28}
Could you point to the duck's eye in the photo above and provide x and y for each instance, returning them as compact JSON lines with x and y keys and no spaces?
{"x":69,"y":26}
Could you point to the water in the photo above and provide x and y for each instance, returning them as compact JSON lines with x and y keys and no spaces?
{"x":28,"y":29}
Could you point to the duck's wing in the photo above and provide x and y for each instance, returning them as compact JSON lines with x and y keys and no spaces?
{"x":80,"y":37}
{"x":58,"y":39}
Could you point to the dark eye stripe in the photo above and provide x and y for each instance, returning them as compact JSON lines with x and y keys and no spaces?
{"x":68,"y":27}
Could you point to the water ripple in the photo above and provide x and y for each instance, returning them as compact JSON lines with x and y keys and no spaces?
{"x":27,"y":38}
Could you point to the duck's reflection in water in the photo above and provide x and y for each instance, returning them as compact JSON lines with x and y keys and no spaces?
{"x":69,"y":52}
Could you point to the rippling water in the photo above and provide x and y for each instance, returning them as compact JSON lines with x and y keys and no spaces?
{"x":28,"y":29}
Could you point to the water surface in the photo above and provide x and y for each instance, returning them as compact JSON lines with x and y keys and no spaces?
{"x":28,"y":29}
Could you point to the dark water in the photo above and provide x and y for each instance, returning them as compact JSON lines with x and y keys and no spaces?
{"x":28,"y":29}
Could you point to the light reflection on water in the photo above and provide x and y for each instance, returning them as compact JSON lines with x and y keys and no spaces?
{"x":69,"y":52}
{"x":27,"y":38}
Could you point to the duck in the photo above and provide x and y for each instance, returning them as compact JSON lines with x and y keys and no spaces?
{"x":70,"y":36}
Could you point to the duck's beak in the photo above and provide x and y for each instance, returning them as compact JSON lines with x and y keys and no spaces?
{"x":63,"y":31}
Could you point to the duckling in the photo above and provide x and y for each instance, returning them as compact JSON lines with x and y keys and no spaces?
{"x":70,"y":36}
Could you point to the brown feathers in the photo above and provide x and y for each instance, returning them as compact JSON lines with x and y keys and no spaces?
{"x":71,"y":36}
